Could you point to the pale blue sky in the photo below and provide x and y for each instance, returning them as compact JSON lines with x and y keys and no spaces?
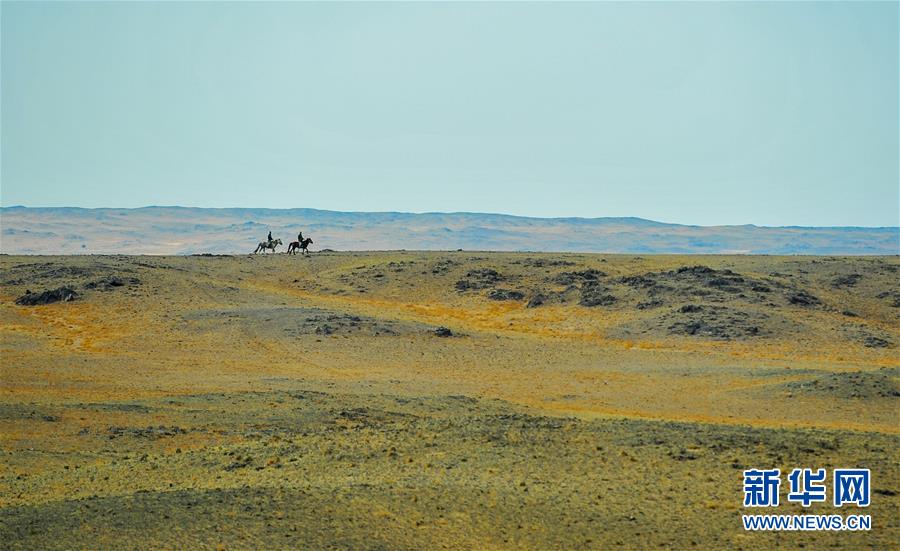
{"x":705,"y":113}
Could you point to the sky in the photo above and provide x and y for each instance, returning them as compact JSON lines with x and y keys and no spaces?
{"x":774,"y":113}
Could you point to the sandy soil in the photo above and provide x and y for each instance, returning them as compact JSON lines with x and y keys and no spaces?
{"x":422,"y":400}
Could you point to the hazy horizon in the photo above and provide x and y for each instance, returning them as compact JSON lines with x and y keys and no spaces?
{"x":191,"y":230}
{"x":436,"y":212}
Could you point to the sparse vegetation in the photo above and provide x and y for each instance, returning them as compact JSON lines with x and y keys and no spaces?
{"x":413,"y":400}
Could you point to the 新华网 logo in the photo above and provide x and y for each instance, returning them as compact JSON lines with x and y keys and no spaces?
{"x":807,"y":486}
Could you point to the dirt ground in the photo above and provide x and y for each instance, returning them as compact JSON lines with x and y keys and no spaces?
{"x":409,"y":400}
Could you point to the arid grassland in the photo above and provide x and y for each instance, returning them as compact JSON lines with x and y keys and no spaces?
{"x":420,"y":400}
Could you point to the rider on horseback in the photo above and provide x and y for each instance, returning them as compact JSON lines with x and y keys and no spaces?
{"x":299,"y":245}
{"x":270,"y":237}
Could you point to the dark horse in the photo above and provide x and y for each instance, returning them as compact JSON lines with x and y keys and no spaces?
{"x":294,"y":246}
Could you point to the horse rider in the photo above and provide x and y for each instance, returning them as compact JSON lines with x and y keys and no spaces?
{"x":270,"y":237}
{"x":300,"y":237}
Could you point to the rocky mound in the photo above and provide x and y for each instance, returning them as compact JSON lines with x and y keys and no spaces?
{"x":802,"y":298}
{"x":705,"y":321}
{"x":537,"y":299}
{"x":112,"y":282}
{"x":892,"y":296}
{"x":62,"y":294}
{"x":572,"y":278}
{"x":160,"y":431}
{"x":868,"y":337}
{"x":297,"y":322}
{"x":488,"y":278}
{"x":848,"y":280}
{"x":715,"y":322}
{"x":857,"y":384}
{"x":506,"y":294}
{"x":693,"y":282}
{"x":542,"y":262}
{"x":584,"y":285}
{"x":442,"y":266}
{"x":594,"y":294}
{"x":50,"y":273}
{"x":482,"y":278}
{"x":63,"y":281}
{"x":25,"y":274}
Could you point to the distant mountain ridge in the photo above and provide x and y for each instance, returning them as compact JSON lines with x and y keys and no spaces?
{"x":191,"y":230}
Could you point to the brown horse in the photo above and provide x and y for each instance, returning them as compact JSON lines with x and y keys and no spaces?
{"x":294,"y":246}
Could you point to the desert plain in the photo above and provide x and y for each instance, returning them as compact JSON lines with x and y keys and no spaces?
{"x":422,"y":400}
